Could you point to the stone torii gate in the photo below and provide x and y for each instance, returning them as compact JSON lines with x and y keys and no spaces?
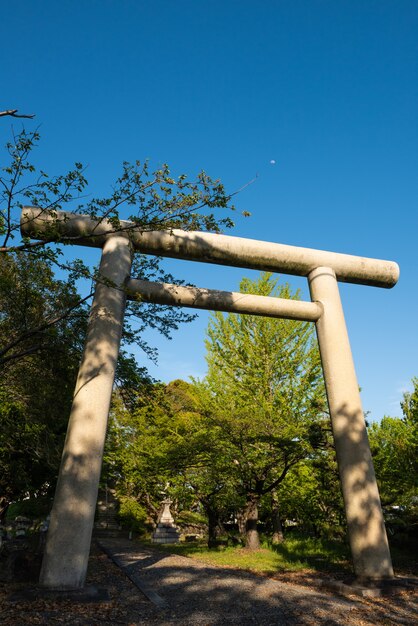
{"x":69,"y":536}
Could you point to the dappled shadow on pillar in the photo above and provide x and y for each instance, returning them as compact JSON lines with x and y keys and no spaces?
{"x":366,"y":528}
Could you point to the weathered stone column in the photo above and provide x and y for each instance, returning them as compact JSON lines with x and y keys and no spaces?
{"x":366,"y":530}
{"x":68,"y":541}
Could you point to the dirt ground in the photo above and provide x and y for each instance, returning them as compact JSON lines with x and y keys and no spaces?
{"x":195,"y":594}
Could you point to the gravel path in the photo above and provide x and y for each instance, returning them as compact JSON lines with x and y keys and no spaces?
{"x":189,"y":592}
{"x":180,"y":591}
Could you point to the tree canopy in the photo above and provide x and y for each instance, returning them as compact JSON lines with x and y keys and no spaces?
{"x":264,"y":392}
{"x":42,"y":313}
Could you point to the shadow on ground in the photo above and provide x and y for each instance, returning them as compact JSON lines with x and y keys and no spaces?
{"x":201,"y":594}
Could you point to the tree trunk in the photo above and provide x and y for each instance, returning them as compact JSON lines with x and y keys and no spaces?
{"x":277,"y":536}
{"x":252,"y":539}
{"x":241,"y":520}
{"x":214,"y":526}
{"x":153,"y":511}
{"x":4,"y":505}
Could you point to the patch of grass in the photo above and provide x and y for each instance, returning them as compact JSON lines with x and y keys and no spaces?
{"x":263,"y":560}
{"x":295,"y":554}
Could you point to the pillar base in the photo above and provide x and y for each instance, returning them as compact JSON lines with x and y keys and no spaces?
{"x":369,"y":587}
{"x":82,"y":594}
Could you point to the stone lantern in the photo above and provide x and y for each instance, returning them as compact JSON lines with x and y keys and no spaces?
{"x":166,"y":531}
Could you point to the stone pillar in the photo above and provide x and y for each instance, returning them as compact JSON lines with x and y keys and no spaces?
{"x":366,"y":529}
{"x":68,"y":541}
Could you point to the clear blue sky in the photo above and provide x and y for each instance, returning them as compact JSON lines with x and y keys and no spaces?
{"x":329,"y":90}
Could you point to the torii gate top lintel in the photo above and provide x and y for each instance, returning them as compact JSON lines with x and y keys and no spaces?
{"x":210,"y":248}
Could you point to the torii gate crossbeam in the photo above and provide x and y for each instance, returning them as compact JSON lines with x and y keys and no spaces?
{"x":69,"y":536}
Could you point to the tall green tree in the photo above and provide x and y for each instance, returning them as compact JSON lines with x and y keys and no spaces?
{"x":394,"y":445}
{"x":264,"y":393}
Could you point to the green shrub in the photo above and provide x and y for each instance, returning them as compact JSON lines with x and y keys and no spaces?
{"x":33,"y":508}
{"x":402,"y":525}
{"x":133,"y":516}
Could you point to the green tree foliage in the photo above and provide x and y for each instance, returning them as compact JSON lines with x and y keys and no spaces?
{"x":202,"y":462}
{"x":37,"y":311}
{"x":163,"y":445}
{"x":141,"y":446}
{"x":151,"y":199}
{"x":409,"y":407}
{"x":42,"y":326}
{"x":394,"y":445}
{"x":132,"y":515}
{"x":311,"y":496}
{"x":264,"y":395}
{"x":38,"y":367}
{"x":43,"y":319}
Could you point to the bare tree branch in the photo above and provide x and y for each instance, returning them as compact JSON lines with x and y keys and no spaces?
{"x":24,"y":246}
{"x":14,"y":113}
